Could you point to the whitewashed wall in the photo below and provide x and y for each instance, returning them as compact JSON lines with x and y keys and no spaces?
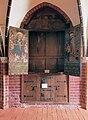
{"x":3,"y":12}
{"x":84,"y":5}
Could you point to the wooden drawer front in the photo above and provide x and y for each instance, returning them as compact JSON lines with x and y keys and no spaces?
{"x":56,"y":88}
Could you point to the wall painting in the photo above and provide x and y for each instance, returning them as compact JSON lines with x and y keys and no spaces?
{"x":72,"y":51}
{"x":18,"y":51}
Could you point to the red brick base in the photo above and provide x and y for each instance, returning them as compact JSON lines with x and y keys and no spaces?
{"x":10,"y":88}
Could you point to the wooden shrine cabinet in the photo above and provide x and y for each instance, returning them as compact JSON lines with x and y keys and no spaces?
{"x":45,"y":88}
{"x":48,"y":46}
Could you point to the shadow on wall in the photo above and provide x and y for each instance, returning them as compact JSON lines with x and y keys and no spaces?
{"x":2,"y":45}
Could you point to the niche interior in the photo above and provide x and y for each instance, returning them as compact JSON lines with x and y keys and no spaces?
{"x":46,"y":41}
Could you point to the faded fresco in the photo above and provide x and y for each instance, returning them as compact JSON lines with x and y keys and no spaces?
{"x":18,"y":51}
{"x":72,"y":50}
{"x":72,"y":45}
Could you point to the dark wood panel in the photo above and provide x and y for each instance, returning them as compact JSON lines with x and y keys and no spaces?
{"x":30,"y":89}
{"x":37,"y":64}
{"x":61,"y":91}
{"x":37,"y":44}
{"x":51,"y":44}
{"x":46,"y":51}
{"x":51,"y":64}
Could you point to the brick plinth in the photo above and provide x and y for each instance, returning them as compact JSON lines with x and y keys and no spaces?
{"x":14,"y":91}
{"x":10,"y":88}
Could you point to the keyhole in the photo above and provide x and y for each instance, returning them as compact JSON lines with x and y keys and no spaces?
{"x":56,"y":88}
{"x":33,"y":88}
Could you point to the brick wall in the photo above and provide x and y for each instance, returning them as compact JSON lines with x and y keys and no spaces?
{"x":5,"y":91}
{"x":84,"y":84}
{"x":75,"y":84}
{"x":84,"y":79}
{"x":3,"y":72}
{"x":87,"y":87}
{"x":1,"y":84}
{"x":14,"y":91}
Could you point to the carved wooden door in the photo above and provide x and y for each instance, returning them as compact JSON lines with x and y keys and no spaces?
{"x":61,"y":89}
{"x":30,"y":89}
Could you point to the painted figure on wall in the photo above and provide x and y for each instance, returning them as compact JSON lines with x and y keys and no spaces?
{"x":68,"y":50}
{"x":18,"y":51}
{"x":72,"y":51}
{"x":72,"y":46}
{"x":18,"y":46}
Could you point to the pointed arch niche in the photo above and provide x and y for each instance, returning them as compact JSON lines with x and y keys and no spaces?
{"x":33,"y":11}
{"x":46,"y":24}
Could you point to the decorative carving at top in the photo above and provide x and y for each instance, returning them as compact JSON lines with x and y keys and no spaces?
{"x":46,"y":22}
{"x":31,"y":12}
